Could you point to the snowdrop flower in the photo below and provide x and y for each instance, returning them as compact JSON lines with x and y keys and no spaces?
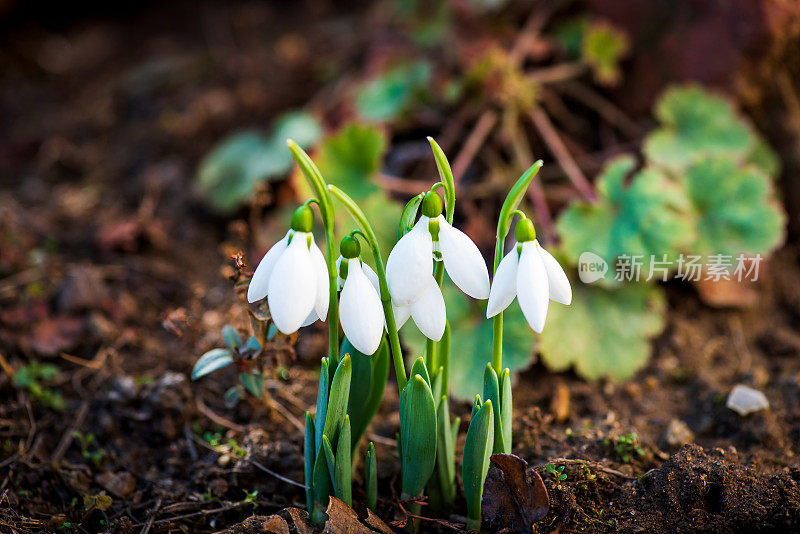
{"x":360,"y":308}
{"x":409,"y":270}
{"x":531,"y":274}
{"x":293,"y":276}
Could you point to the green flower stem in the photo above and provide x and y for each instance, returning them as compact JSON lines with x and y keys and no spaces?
{"x":380,"y":270}
{"x":449,"y":186}
{"x":503,"y":226}
{"x":318,"y":184}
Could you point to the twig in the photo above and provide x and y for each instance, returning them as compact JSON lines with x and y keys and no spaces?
{"x":222,"y":421}
{"x":565,"y":160}
{"x":7,"y":369}
{"x":524,"y":157}
{"x":557,"y":73}
{"x":605,"y":108}
{"x":533,"y":25}
{"x":150,"y":521}
{"x":590,"y":463}
{"x":226,"y":508}
{"x":474,"y":141}
{"x":401,"y":185}
{"x":66,"y":439}
{"x":276,"y":475}
{"x":383,"y":440}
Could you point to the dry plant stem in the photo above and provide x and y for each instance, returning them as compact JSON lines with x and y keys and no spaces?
{"x":7,"y":369}
{"x":221,"y":421}
{"x":595,"y":465}
{"x":790,"y":98}
{"x":524,"y":158}
{"x":557,"y":73}
{"x":605,"y":108}
{"x":559,"y":150}
{"x":476,"y":138}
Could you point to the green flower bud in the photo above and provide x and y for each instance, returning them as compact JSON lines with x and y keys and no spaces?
{"x":303,"y":219}
{"x":524,"y":231}
{"x":432,"y":205}
{"x":349,"y":247}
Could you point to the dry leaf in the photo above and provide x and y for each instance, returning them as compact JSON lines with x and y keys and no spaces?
{"x":343,"y":520}
{"x":514,"y":496}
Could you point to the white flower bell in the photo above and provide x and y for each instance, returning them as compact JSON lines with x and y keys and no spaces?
{"x":531,"y":274}
{"x":293,"y":276}
{"x":360,"y":308}
{"x":409,"y":270}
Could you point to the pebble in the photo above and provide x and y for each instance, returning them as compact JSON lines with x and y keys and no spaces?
{"x":744,"y":400}
{"x":678,"y":433}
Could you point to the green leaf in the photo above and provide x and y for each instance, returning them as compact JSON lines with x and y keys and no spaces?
{"x":366,"y":386}
{"x":344,"y":483}
{"x":417,"y":435}
{"x":491,"y":392}
{"x":231,"y":337}
{"x":445,"y":452}
{"x":650,"y":216}
{"x":208,"y":363}
{"x":391,"y":94}
{"x":330,"y":460}
{"x":602,"y":49}
{"x":253,"y":382}
{"x":477,"y":452}
{"x":605,"y":332}
{"x":419,"y":369}
{"x":471,"y":342}
{"x":506,"y":409}
{"x":371,"y":477}
{"x":309,"y":456}
{"x":696,"y":124}
{"x":337,"y":402}
{"x":409,"y":215}
{"x":323,"y":394}
{"x":323,"y":485}
{"x":230,"y":173}
{"x":570,"y":35}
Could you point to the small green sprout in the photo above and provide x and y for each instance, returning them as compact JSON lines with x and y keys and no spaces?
{"x":34,"y":377}
{"x":556,"y":472}
{"x":626,"y":446}
{"x":89,"y":448}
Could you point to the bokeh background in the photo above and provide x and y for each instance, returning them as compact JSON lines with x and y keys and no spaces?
{"x":144,"y":172}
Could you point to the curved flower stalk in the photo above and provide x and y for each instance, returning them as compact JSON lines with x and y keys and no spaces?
{"x":360,"y":310}
{"x":532,"y":275}
{"x":409,"y":270}
{"x":293,"y":276}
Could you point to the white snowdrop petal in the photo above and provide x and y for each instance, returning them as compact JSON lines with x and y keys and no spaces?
{"x":259,"y":284}
{"x":311,"y":319}
{"x":410,"y":263}
{"x":360,"y":311}
{"x":429,"y":312}
{"x":504,"y":285}
{"x":463,"y":261}
{"x":401,"y":315}
{"x":372,"y":276}
{"x":292,"y":286}
{"x":532,"y":287}
{"x":323,"y":296}
{"x":558,"y":283}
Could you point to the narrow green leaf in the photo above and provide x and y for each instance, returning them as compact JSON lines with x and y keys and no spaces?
{"x":211,"y":361}
{"x":454,"y":430}
{"x":477,"y":451}
{"x":344,"y":481}
{"x":476,"y":405}
{"x":445,"y":452}
{"x":322,"y":401}
{"x":323,"y":485}
{"x":366,"y":386}
{"x":309,"y":453}
{"x":506,"y":409}
{"x":409,"y":215}
{"x":436,"y":386}
{"x":337,"y":402}
{"x":253,"y":344}
{"x":446,"y":176}
{"x":417,"y":434}
{"x":254,"y":383}
{"x":330,"y":461}
{"x":419,"y":368}
{"x":491,"y":392}
{"x":231,"y":337}
{"x":371,"y":477}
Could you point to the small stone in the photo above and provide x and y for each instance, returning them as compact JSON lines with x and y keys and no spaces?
{"x":119,"y":484}
{"x":678,"y":434}
{"x":744,"y":400}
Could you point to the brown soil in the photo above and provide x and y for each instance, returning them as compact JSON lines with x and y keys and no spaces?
{"x":111,"y":270}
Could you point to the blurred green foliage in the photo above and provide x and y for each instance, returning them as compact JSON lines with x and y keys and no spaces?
{"x":595,"y":43}
{"x":230,"y":174}
{"x":37,"y":378}
{"x":705,"y":188}
{"x":394,"y":92}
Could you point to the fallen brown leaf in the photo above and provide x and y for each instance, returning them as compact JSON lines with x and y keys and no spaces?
{"x":343,"y":520}
{"x":514,"y":496}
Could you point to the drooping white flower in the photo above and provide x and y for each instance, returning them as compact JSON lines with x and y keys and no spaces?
{"x":294,"y":277}
{"x":360,"y":308}
{"x":409,"y":269}
{"x":532,"y":275}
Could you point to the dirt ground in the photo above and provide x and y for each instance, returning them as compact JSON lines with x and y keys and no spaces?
{"x":111,"y":270}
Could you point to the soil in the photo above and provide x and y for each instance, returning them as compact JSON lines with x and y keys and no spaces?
{"x":112,"y":270}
